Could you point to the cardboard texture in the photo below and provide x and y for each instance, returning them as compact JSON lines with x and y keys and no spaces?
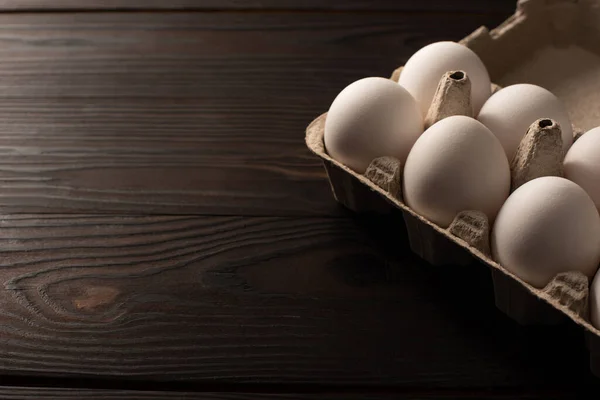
{"x":540,"y":153}
{"x":551,"y":43}
{"x":452,"y":97}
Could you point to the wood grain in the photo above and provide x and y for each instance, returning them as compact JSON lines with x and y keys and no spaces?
{"x":210,"y":300}
{"x":24,"y":393}
{"x":184,"y":113}
{"x":353,"y":5}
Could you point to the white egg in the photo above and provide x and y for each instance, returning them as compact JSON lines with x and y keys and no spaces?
{"x":595,"y":301}
{"x":511,"y":110}
{"x":547,"y":226}
{"x":456,"y":165}
{"x":422,"y":73}
{"x":582,"y":164}
{"x":370,"y":118}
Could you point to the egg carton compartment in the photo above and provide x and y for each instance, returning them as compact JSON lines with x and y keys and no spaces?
{"x":551,"y":43}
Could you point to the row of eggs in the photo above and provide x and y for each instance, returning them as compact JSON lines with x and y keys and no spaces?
{"x":546,"y":226}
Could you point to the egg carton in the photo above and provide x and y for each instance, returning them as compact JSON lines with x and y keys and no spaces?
{"x":551,"y":43}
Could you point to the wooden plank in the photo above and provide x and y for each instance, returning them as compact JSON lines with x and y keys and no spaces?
{"x":155,"y":155}
{"x":352,"y":5}
{"x":24,"y":393}
{"x":211,"y":55}
{"x":184,"y":113}
{"x":249,"y":301}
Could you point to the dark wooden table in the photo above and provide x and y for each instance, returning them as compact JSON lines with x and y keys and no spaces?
{"x":166,"y":234}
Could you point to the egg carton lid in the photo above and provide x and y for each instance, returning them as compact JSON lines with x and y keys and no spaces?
{"x":551,"y":43}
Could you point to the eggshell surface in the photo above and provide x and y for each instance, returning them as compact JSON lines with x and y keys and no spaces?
{"x":422,"y":73}
{"x":370,"y":118}
{"x":547,"y":226}
{"x":595,"y":301}
{"x":510,"y":111}
{"x":456,"y":165}
{"x":582,"y":164}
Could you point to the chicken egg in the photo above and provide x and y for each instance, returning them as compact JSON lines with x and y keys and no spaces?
{"x":510,"y":111}
{"x":595,"y":301}
{"x":547,"y":226}
{"x":422,"y":73}
{"x":582,"y":164}
{"x":456,"y":165}
{"x":370,"y":118}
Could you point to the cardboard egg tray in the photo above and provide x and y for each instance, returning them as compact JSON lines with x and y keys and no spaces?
{"x":551,"y":43}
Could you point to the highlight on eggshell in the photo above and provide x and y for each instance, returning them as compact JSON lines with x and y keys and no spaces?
{"x":456,"y":165}
{"x":582,"y":164}
{"x":422,"y":73}
{"x":370,"y":118}
{"x":547,"y":226}
{"x":510,"y":111}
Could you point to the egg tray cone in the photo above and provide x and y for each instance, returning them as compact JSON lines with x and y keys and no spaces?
{"x":538,"y":44}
